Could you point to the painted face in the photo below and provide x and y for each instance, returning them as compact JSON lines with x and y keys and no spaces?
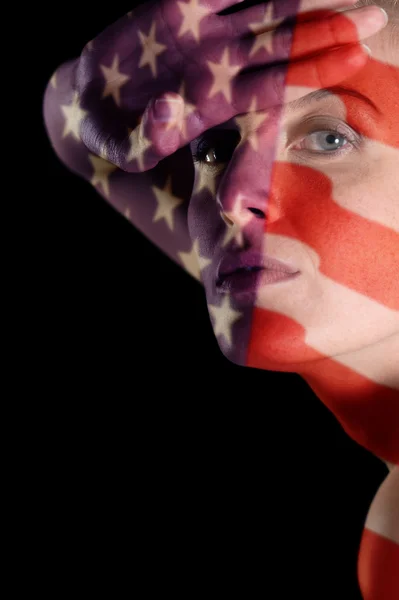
{"x":315,"y":186}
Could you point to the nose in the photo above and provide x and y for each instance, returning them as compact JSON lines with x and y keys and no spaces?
{"x":239,"y":216}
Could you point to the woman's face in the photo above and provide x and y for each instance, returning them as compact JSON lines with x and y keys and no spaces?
{"x":287,"y":185}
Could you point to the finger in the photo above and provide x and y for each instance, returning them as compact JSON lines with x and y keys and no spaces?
{"x":281,"y":86}
{"x":309,"y":37}
{"x":339,"y":29}
{"x":211,"y":6}
{"x":273,"y":11}
{"x":157,"y":135}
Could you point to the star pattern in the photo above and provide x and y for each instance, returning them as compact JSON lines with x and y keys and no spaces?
{"x":74,"y":115}
{"x":223,"y":73}
{"x":166,"y":202}
{"x":267,"y":25}
{"x":254,"y":121}
{"x":224,"y":317}
{"x":138,"y":148}
{"x":375,"y":427}
{"x":151,"y":49}
{"x":114,"y":80}
{"x":193,"y":262}
{"x":102,"y":171}
{"x":203,"y":181}
{"x":236,"y":220}
{"x":193,"y":14}
{"x":53,"y":80}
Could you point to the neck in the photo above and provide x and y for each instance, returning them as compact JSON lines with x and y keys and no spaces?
{"x":363,"y":395}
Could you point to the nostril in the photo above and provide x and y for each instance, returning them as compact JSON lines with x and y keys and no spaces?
{"x":257,"y":212}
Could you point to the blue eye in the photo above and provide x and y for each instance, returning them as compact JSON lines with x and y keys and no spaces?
{"x":207,"y":148}
{"x":332,"y":137}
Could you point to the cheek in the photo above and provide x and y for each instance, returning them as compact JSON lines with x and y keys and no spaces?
{"x":371,"y":189}
{"x":345,"y":220}
{"x":203,"y":219}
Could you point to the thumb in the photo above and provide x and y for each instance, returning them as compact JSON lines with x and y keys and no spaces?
{"x":164,"y":122}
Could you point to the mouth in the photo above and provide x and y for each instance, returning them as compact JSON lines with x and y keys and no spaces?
{"x":241,"y":272}
{"x":246,"y":271}
{"x":250,"y":279}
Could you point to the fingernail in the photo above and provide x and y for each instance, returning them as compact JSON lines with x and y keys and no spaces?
{"x":166,"y":110}
{"x":368,"y":50}
{"x":385,"y":15}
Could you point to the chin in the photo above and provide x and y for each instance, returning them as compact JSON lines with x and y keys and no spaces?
{"x":232,"y":353}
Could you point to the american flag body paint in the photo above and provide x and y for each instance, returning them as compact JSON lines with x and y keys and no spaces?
{"x":336,"y":221}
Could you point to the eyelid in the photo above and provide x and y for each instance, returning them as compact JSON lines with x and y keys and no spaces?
{"x":320,"y":123}
{"x":210,"y":134}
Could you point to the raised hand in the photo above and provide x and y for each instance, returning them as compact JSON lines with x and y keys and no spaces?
{"x":100,"y":106}
{"x":188,"y":53}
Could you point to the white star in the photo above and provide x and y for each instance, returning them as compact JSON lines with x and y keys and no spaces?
{"x":114,"y":80}
{"x":151,"y":49}
{"x":167,"y":203}
{"x":192,"y":15}
{"x":53,"y":80}
{"x":73,"y":117}
{"x":202,"y":181}
{"x":223,"y":73}
{"x":138,"y":146}
{"x":127,"y":213}
{"x":224,"y":318}
{"x":254,"y":120}
{"x":236,"y":220}
{"x":102,"y":171}
{"x":193,"y":262}
{"x":267,"y":25}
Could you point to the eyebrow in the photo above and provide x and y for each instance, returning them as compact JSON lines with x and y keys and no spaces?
{"x":319,"y":95}
{"x":308,"y":100}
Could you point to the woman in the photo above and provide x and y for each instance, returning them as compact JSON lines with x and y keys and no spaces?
{"x":336,"y":321}
{"x":305,"y":229}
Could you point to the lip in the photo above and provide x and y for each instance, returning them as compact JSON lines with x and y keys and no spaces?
{"x":230,"y":263}
{"x":240,"y":282}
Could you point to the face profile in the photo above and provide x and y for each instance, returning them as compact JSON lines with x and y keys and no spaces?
{"x":313,"y":185}
{"x":292,"y":220}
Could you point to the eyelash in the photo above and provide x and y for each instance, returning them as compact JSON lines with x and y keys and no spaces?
{"x":205,"y":145}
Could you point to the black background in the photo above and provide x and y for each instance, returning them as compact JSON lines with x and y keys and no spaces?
{"x":158,"y":464}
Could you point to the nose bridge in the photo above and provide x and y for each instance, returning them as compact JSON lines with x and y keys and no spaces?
{"x":245,"y":186}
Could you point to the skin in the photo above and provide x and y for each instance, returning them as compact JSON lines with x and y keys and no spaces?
{"x":337,"y":325}
{"x":384,"y":48}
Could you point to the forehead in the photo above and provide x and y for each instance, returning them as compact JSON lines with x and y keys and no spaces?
{"x":385,"y":50}
{"x":313,"y":99}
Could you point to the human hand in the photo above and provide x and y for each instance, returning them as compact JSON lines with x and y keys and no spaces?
{"x":168,"y":45}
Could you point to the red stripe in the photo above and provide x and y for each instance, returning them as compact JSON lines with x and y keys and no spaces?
{"x":378,"y":567}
